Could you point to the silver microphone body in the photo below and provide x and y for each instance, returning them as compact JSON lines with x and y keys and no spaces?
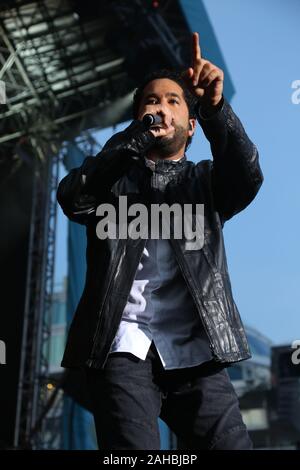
{"x":151,"y":120}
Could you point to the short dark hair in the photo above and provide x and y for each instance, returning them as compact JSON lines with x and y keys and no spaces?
{"x":175,"y":76}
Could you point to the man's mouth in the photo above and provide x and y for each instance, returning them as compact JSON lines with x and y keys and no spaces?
{"x":159,"y":126}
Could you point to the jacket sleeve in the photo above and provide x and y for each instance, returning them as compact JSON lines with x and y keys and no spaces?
{"x":235,"y":172}
{"x":82,"y":190}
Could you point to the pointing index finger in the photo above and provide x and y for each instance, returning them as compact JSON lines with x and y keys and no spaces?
{"x":196,"y":51}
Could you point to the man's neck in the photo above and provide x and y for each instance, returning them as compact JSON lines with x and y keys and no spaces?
{"x":155,"y":158}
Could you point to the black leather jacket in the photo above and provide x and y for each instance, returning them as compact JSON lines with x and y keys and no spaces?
{"x":225,"y":186}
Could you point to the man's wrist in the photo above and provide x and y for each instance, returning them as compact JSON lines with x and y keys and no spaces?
{"x":208,"y":111}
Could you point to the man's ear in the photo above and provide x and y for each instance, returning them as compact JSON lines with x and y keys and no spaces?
{"x":192,"y":126}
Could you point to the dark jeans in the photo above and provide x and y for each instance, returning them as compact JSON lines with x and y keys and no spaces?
{"x":198,"y":404}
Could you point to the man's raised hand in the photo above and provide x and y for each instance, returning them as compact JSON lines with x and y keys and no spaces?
{"x":204,"y":79}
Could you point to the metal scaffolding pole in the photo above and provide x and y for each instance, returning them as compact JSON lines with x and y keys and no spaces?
{"x":34,"y":370}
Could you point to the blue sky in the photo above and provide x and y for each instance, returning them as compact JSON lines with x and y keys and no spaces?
{"x":260,"y":41}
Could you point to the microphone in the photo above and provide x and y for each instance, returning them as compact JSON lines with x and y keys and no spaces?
{"x":151,"y":119}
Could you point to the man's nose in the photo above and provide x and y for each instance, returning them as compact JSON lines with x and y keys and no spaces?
{"x":165,"y":113}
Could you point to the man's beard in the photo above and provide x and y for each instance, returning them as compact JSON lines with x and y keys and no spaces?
{"x":166,"y":146}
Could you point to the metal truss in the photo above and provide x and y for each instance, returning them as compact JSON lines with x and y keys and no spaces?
{"x":70,"y":65}
{"x":64,"y":70}
{"x":34,"y":368}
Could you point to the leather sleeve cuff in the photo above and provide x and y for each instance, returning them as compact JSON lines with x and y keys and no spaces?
{"x":204,"y":115}
{"x":223,"y":121}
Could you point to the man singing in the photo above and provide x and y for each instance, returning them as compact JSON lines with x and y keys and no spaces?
{"x":157,"y":325}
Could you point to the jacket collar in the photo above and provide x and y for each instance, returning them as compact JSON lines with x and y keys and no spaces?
{"x":164,"y":171}
{"x":165,"y":166}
